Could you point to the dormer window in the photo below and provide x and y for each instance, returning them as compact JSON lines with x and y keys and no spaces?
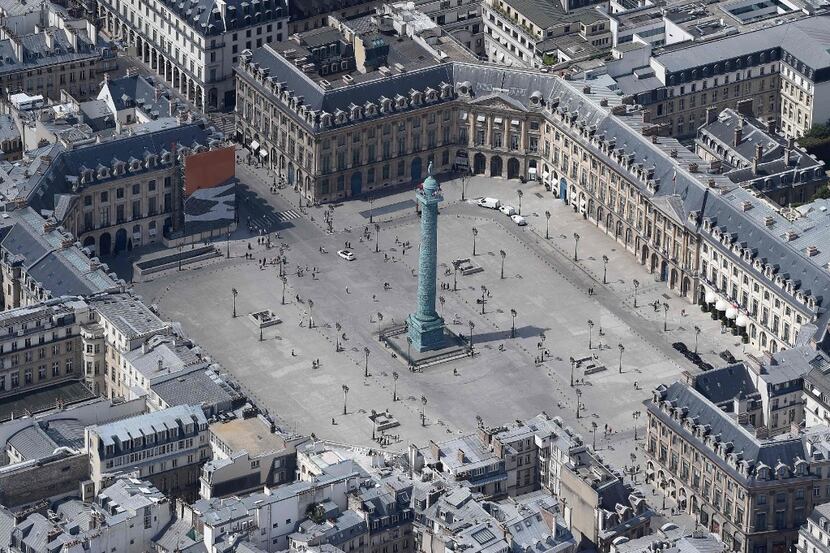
{"x":103,"y":172}
{"x":166,"y":157}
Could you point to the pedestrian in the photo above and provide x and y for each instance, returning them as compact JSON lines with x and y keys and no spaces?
{"x":347,"y":290}
{"x":332,"y":421}
{"x":292,"y":353}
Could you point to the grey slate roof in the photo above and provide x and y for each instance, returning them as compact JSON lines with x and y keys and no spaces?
{"x":129,"y":315}
{"x":66,"y":166}
{"x":59,"y":269}
{"x":805,"y":39}
{"x":725,"y":384}
{"x":204,"y":16}
{"x":196,"y":386}
{"x":752,"y":449}
{"x":32,"y":443}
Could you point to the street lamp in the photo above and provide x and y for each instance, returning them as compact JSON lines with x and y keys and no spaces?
{"x":442,"y":300}
{"x":409,"y":350}
{"x":578,"y":401}
{"x":228,"y":244}
{"x":635,"y":415}
{"x":573,"y":364}
{"x":472,"y":326}
{"x":371,"y":208}
{"x":590,"y":332}
{"x":395,"y":385}
{"x":665,"y":317}
{"x":636,"y":287}
{"x":594,"y":431}
{"x":547,"y":225}
{"x":380,"y":320}
{"x":503,"y":254}
{"x":455,"y":265}
{"x":234,"y":292}
{"x":377,"y":237}
{"x":520,"y":201}
{"x":464,"y":178}
{"x":513,"y":326}
{"x":622,"y":349}
{"x":475,"y":233}
{"x":366,"y":365}
{"x":576,"y":245}
{"x":310,"y":314}
{"x":483,"y":297}
{"x":337,"y":329}
{"x":345,"y":398}
{"x":284,"y":283}
{"x":697,"y":332}
{"x":605,"y":269}
{"x":423,"y":410}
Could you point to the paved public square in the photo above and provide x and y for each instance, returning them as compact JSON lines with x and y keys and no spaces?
{"x":503,"y":382}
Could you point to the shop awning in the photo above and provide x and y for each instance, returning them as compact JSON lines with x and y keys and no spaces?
{"x":262,"y":152}
{"x":742,"y":320}
{"x":721,"y":305}
{"x":731,"y":313}
{"x":254,"y":145}
{"x":711,"y":297}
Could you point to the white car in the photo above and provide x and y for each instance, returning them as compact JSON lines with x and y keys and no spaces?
{"x":489,"y":203}
{"x":519,"y":220}
{"x":348,"y":255}
{"x":508,"y":210}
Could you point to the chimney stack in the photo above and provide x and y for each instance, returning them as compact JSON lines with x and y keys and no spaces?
{"x":711,"y":115}
{"x":788,"y":150}
{"x":759,"y":153}
{"x":739,"y":135}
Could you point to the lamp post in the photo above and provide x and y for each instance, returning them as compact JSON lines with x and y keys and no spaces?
{"x":366,"y":365}
{"x":371,"y":208}
{"x":284,"y":283}
{"x":464,"y":178}
{"x":605,"y":269}
{"x":234,"y":293}
{"x":377,"y":237}
{"x":503,"y":255}
{"x":636,"y":287}
{"x":483,"y":297}
{"x":337,"y":329}
{"x":573,"y":364}
{"x":228,"y":245}
{"x":590,"y":332}
{"x":547,"y":225}
{"x":472,"y":326}
{"x":594,"y":432}
{"x":455,"y":265}
{"x":442,"y":301}
{"x":409,"y":350}
{"x":513,"y":325}
{"x":520,"y":193}
{"x":635,"y":415}
{"x":475,"y":233}
{"x":665,"y":317}
{"x":395,"y":386}
{"x":697,"y":333}
{"x":345,"y":398}
{"x":423,"y":410}
{"x":576,"y":245}
{"x":180,"y":257}
{"x":310,"y":314}
{"x":578,"y":402}
{"x":622,"y":349}
{"x":380,"y":320}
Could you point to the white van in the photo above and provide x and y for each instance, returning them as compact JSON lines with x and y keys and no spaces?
{"x":490,"y":203}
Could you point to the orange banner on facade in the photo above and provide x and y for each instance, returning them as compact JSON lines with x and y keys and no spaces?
{"x":209,"y":169}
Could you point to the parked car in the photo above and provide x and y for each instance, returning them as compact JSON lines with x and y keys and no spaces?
{"x":489,"y":203}
{"x":508,"y":210}
{"x":348,"y":255}
{"x":519,"y":220}
{"x":727,"y":356}
{"x":681,"y":347}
